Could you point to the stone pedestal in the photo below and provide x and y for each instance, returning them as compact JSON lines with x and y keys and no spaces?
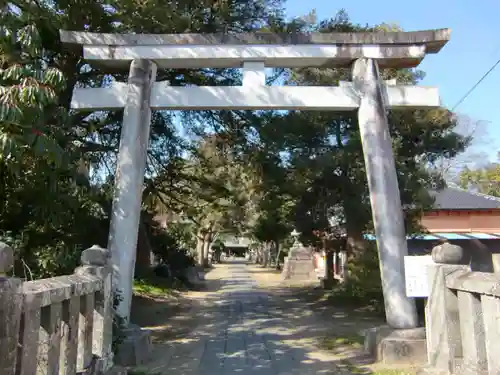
{"x":396,"y":346}
{"x":299,"y":265}
{"x":135,"y":347}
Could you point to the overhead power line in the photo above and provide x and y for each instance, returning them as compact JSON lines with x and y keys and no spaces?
{"x":475,"y":85}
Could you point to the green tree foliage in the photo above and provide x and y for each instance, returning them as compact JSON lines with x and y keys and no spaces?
{"x":327,"y":155}
{"x":258,"y":174}
{"x":309,"y":165}
{"x":214,"y":193}
{"x":169,"y":247}
{"x":50,"y":212}
{"x":43,"y":209}
{"x":29,"y":114}
{"x":485,"y":180}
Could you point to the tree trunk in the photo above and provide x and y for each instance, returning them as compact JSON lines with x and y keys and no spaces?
{"x":344,"y":266}
{"x":258,"y":256}
{"x":143,"y":255}
{"x":337,"y":262}
{"x":356,"y":246}
{"x":355,"y":215}
{"x":278,"y":254}
{"x":200,"y":246}
{"x":329,"y":253}
{"x":265,"y":254}
{"x":273,"y":251}
{"x":206,"y":248}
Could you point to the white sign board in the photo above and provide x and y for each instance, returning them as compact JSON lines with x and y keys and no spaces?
{"x":416,"y":275}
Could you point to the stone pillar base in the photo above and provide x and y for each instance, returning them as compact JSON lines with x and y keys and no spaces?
{"x":396,"y":346}
{"x":135,"y":348}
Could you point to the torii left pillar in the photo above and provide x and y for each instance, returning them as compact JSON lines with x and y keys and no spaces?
{"x":129,"y":179}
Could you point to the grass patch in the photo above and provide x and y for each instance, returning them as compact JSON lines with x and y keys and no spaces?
{"x":356,"y":297}
{"x":335,"y":342}
{"x":355,"y":341}
{"x":156,"y":287}
{"x":138,"y":372}
{"x":353,"y":369}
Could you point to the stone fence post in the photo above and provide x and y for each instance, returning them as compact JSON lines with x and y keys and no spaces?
{"x":96,"y":261}
{"x":442,"y":322}
{"x":10,"y":311}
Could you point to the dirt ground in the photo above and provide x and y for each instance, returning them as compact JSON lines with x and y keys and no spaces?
{"x":342,"y":325}
{"x":172,"y":316}
{"x":177,"y":318}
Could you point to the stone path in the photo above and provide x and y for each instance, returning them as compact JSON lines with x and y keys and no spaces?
{"x":246,"y":330}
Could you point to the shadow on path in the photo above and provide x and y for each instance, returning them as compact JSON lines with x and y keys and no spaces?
{"x":238,"y":328}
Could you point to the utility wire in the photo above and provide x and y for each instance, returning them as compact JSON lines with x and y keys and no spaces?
{"x":475,"y":85}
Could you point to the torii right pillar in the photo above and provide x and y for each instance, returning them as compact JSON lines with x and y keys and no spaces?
{"x":385,"y":198}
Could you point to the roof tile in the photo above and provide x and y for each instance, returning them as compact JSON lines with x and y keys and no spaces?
{"x":454,"y":198}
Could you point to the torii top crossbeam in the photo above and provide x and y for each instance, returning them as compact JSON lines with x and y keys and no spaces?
{"x":391,"y":49}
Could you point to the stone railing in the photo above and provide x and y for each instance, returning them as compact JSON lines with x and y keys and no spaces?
{"x":462,"y":319}
{"x":61,"y":325}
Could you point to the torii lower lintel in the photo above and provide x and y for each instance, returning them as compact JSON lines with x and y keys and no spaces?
{"x":166,"y":97}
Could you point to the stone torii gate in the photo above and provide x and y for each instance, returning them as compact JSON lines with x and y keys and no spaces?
{"x":365,"y":53}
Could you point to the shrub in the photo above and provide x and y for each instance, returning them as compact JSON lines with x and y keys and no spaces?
{"x":167,"y":247}
{"x":363,"y":285}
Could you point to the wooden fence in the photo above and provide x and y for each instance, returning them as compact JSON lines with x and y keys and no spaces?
{"x":57,"y":326}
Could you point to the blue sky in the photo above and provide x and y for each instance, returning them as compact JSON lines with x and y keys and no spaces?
{"x":473,"y":49}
